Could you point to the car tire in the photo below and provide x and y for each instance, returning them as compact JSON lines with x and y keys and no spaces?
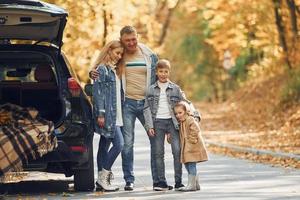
{"x":84,"y":179}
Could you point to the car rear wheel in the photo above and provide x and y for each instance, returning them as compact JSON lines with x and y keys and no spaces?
{"x":84,"y":179}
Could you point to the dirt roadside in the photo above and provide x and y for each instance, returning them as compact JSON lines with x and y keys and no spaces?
{"x":251,"y":118}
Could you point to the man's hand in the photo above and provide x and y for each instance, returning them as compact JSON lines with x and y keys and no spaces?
{"x":94,"y":74}
{"x":101,"y":121}
{"x":151,"y":132}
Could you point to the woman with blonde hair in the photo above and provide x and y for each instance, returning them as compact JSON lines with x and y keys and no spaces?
{"x":107,"y":95}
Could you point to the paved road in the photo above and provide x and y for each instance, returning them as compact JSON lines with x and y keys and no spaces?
{"x":221,"y":178}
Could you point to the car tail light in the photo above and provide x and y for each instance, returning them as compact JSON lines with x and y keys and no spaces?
{"x":81,"y":149}
{"x":74,"y":87}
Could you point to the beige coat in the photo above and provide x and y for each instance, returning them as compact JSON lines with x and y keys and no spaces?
{"x":192,"y":144}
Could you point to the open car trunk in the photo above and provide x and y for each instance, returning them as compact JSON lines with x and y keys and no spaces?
{"x":30,"y":81}
{"x":32,"y":20}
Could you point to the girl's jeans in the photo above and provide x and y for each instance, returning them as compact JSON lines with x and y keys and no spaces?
{"x":161,"y":127}
{"x":106,"y":157}
{"x":191,"y":168}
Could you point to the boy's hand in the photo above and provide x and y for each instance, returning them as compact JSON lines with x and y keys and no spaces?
{"x":101,"y":121}
{"x":151,"y":132}
{"x":198,"y":119}
{"x":168,"y":136}
{"x":93,"y":74}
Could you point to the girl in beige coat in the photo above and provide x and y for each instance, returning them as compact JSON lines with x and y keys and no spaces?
{"x":192,"y":145}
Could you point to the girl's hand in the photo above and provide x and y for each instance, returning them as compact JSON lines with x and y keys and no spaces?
{"x":101,"y":121}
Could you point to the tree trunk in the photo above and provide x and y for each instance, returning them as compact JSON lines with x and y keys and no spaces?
{"x":166,"y":24}
{"x":297,"y":9}
{"x":280,"y":29}
{"x":105,"y":24}
{"x":292,"y":9}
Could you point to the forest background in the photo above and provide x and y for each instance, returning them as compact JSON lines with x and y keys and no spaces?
{"x":238,"y":60}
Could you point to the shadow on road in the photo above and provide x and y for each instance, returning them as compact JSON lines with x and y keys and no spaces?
{"x":35,"y":187}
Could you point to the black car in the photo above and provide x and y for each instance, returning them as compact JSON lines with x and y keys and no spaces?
{"x":35,"y":73}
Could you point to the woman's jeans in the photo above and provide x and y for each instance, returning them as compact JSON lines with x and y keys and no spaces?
{"x":133,"y":109}
{"x":106,"y":157}
{"x":161,"y":127}
{"x":191,"y":168}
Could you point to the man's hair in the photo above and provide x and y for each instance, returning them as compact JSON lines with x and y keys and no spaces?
{"x":163,"y":64}
{"x":127,"y":30}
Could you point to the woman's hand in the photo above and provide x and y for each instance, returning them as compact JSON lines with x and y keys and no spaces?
{"x":101,"y":121}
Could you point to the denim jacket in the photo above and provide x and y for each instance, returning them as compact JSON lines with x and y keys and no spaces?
{"x":105,"y":100}
{"x":174,"y":95}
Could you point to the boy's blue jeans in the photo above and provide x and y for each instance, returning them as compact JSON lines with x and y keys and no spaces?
{"x":161,"y":127}
{"x":133,"y":109}
{"x":105,"y":157}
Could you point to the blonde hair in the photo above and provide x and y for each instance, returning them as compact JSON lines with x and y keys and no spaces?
{"x":103,"y":57}
{"x":185,"y":106}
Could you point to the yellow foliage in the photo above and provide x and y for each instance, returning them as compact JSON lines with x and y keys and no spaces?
{"x":234,"y":25}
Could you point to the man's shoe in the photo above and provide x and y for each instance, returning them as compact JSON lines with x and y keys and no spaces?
{"x":155,"y":185}
{"x":178,"y":186}
{"x":128,"y":186}
{"x":162,"y":186}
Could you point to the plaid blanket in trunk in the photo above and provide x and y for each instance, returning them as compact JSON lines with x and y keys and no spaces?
{"x":23,"y":135}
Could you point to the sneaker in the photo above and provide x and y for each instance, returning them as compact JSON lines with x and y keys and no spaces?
{"x":155,"y":185}
{"x":128,"y":186}
{"x":162,"y":186}
{"x":178,"y":186}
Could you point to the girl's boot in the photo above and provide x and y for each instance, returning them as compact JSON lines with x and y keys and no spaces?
{"x":191,"y":186}
{"x":197,"y":182}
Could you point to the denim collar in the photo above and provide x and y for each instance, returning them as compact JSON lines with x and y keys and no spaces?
{"x":170,"y":85}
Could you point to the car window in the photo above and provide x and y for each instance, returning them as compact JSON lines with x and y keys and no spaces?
{"x":10,"y":72}
{"x":19,"y":72}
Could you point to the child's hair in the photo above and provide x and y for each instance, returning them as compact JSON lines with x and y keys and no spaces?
{"x":183,"y":105}
{"x":162,"y":64}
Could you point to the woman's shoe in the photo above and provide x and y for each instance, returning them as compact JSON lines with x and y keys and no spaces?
{"x":110,"y":178}
{"x":99,"y":187}
{"x":104,"y":181}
